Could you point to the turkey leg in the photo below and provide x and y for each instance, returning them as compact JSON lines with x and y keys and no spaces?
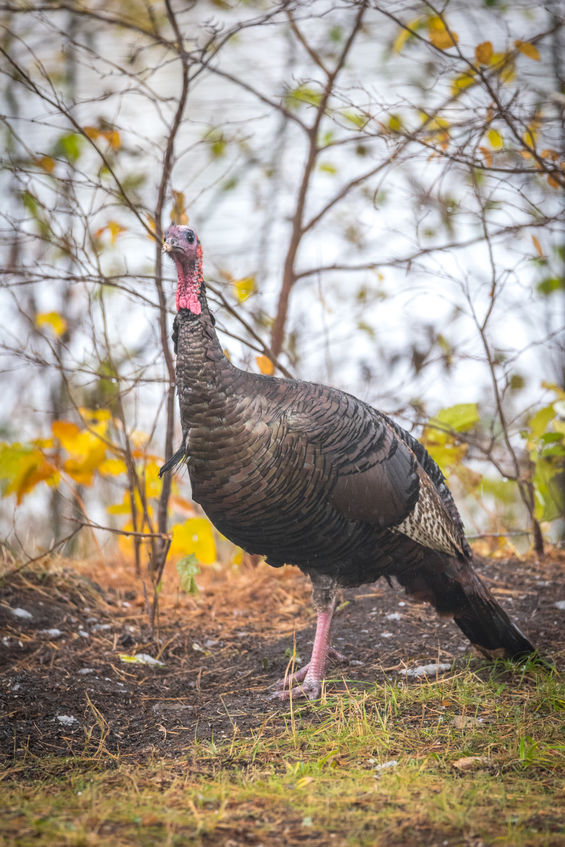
{"x":312,"y":674}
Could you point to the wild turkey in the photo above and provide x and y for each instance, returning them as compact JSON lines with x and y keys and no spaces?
{"x":307,"y":475}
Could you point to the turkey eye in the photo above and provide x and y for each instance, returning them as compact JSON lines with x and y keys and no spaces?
{"x":190,"y":236}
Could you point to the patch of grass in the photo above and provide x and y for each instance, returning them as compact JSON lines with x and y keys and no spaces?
{"x":479,"y":759}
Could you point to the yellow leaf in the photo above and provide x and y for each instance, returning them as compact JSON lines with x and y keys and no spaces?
{"x":484,"y":53}
{"x":122,"y":508}
{"x":115,"y":230}
{"x":462,"y":81}
{"x":404,"y":34}
{"x":91,"y":131}
{"x":552,"y":155}
{"x":265,"y":365}
{"x":112,"y":467}
{"x":529,"y":50}
{"x":153,"y":484}
{"x":553,"y":182}
{"x":53,"y":319}
{"x":245,"y":287}
{"x":194,"y":536}
{"x":47,"y":163}
{"x":495,"y":138}
{"x":43,"y":443}
{"x":178,"y":212}
{"x":152,"y":226}
{"x":530,"y":136}
{"x":508,"y":71}
{"x":395,"y":123}
{"x":65,"y":432}
{"x":440,"y":36}
{"x":87,"y":451}
{"x":22,"y":468}
{"x":95,"y":415}
{"x":113,"y":137}
{"x":538,"y":247}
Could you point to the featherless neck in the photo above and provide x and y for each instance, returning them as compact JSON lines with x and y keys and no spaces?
{"x":190,"y":279}
{"x":200,"y":355}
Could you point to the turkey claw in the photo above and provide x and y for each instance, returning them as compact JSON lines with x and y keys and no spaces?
{"x":310,"y":688}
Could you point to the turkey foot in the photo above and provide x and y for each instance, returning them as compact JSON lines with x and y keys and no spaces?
{"x":311,"y":684}
{"x":312,"y":674}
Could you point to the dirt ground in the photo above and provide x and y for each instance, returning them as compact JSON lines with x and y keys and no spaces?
{"x":66,"y":688}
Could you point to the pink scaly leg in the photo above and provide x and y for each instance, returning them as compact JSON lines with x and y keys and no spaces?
{"x":312,"y":674}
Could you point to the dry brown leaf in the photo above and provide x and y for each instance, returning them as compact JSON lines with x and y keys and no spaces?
{"x":538,"y":246}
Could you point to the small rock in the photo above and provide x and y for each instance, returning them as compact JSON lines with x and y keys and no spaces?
{"x":386,"y":635}
{"x":560,"y":605}
{"x":393,"y":616}
{"x":101,"y":627}
{"x":21,"y":613}
{"x":51,"y":633}
{"x":85,"y":671}
{"x":426,"y":670}
{"x":83,"y":633}
{"x":385,"y":766}
{"x":469,"y":763}
{"x":141,"y":659}
{"x":67,"y":720}
{"x":463,"y":721}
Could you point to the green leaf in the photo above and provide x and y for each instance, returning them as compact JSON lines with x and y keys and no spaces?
{"x":187,"y":568}
{"x":328,"y":168}
{"x":217,"y":141}
{"x":549,"y":482}
{"x":302,"y":94}
{"x":358,"y":119}
{"x":69,"y":146}
{"x":538,"y":424}
{"x":550,"y":284}
{"x":460,"y":417}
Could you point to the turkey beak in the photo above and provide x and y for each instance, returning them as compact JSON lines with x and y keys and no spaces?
{"x":167,"y":246}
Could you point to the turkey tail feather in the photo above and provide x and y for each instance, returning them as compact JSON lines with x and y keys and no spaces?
{"x":454,"y":588}
{"x":175,"y":460}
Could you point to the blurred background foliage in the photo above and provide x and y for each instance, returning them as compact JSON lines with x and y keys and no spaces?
{"x":379,"y":195}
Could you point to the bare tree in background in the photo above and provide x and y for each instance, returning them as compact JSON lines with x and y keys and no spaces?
{"x":394,"y":173}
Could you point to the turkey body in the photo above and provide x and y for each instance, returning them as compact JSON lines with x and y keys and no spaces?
{"x":300,"y":473}
{"x":308,"y":475}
